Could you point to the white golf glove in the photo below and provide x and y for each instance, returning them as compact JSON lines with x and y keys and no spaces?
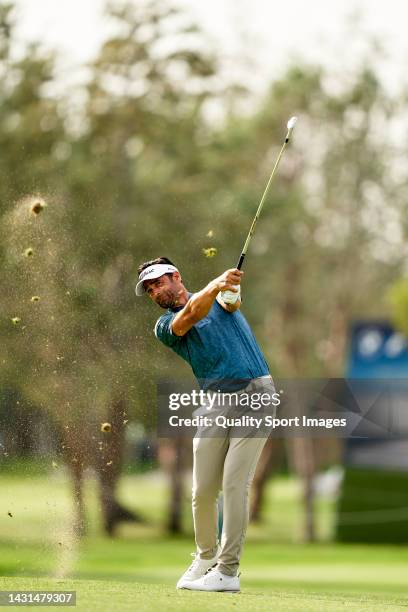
{"x":229,"y":297}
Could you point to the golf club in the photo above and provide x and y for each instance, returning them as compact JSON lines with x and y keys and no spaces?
{"x":290,"y":125}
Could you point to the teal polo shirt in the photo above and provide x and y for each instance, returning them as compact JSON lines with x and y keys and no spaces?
{"x":221,"y":348}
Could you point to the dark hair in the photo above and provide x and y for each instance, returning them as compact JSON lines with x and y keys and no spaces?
{"x":159,"y":260}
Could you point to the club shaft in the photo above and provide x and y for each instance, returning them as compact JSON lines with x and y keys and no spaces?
{"x":261,"y":203}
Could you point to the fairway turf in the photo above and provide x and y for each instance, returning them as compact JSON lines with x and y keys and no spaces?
{"x":114,"y":595}
{"x":138,"y":570}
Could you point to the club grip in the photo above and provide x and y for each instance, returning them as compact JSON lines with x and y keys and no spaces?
{"x":241,"y":261}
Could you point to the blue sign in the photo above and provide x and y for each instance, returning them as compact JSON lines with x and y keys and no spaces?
{"x":377,"y":351}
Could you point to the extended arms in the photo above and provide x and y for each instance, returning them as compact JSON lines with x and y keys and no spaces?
{"x":200,"y":303}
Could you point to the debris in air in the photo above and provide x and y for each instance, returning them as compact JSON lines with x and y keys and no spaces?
{"x":210,"y":234}
{"x":210,"y":252}
{"x":38,"y":207}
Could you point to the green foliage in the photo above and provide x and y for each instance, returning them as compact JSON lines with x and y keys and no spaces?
{"x":398,"y":296}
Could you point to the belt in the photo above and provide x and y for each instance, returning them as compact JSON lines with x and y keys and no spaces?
{"x":252,"y":385}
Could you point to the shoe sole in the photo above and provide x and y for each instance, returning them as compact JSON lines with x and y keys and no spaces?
{"x":185,"y":588}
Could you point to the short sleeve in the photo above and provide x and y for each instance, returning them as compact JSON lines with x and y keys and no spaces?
{"x":163,"y":331}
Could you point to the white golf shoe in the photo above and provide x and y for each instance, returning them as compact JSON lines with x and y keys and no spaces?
{"x":196,"y":570}
{"x":214,"y":580}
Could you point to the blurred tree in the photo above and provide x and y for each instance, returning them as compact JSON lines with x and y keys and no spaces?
{"x":320,"y":256}
{"x":107,"y":205}
{"x":30,"y":123}
{"x":137,"y":178}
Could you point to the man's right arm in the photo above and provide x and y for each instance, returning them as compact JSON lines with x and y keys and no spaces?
{"x":199,"y":305}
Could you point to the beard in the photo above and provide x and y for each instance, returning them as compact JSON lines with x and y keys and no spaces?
{"x":167,"y":299}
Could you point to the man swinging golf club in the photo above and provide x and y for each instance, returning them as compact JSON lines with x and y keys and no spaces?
{"x":208,"y":330}
{"x":214,"y":337}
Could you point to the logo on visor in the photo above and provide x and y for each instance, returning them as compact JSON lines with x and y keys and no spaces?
{"x":156,"y":271}
{"x":147,"y":271}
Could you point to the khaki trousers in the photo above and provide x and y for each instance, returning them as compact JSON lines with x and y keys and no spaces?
{"x":223,"y":461}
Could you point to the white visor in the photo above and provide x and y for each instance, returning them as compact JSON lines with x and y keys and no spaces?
{"x":154,"y":271}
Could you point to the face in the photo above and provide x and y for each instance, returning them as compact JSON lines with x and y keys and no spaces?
{"x":165,"y":290}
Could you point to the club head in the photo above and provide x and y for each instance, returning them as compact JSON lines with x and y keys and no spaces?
{"x":292,"y":122}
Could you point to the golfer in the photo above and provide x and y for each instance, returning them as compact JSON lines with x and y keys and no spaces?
{"x":208,"y":330}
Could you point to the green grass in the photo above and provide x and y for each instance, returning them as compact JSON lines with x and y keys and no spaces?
{"x":115,"y":595}
{"x":138,"y":569}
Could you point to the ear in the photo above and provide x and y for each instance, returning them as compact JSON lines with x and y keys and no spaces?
{"x":177,"y":276}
